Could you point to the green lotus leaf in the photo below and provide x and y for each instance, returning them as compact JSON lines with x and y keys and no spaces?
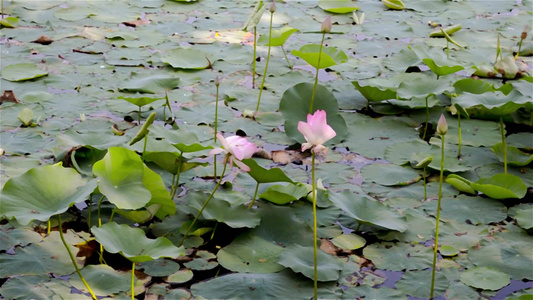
{"x":181,"y":276}
{"x":133,"y":244}
{"x":338,"y":6}
{"x":300,"y":259}
{"x":26,"y":116}
{"x":22,"y":72}
{"x":294,"y":107}
{"x":515,"y":157}
{"x":473,"y":86}
{"x":158,"y":267}
{"x":394,"y":4}
{"x":283,"y":194}
{"x":154,"y":84}
{"x":461,"y":184}
{"x":449,"y":31}
{"x":399,"y":256}
{"x":186,"y":59}
{"x":442,"y":70}
{"x":497,"y":102}
{"x":388,"y":174}
{"x":421,"y":85}
{"x":485,"y":278}
{"x":367,"y":210}
{"x":160,"y":196}
{"x":447,"y":250}
{"x":524,"y":219}
{"x":374,"y":93}
{"x":416,"y":102}
{"x":279,"y":36}
{"x":280,"y":285}
{"x":250,"y":254}
{"x":40,"y":287}
{"x":93,"y":139}
{"x":140,"y":100}
{"x":36,"y":194}
{"x":330,"y":56}
{"x":9,"y":22}
{"x":169,"y":161}
{"x":369,"y":292}
{"x":139,"y":216}
{"x":262,"y":175}
{"x":501,"y":186}
{"x":418,"y":283}
{"x":103,"y":280}
{"x":144,"y":129}
{"x":120,"y":178}
{"x":349,"y":241}
{"x":255,"y":16}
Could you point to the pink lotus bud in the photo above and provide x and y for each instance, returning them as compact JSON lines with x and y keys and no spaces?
{"x":272,"y":8}
{"x":442,"y":126}
{"x":217,"y":81}
{"x":326,"y":25}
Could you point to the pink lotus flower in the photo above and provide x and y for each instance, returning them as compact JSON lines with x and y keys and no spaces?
{"x":316,"y":132}
{"x":238,"y":149}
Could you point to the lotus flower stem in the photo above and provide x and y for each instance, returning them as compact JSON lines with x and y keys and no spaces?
{"x":504,"y":145}
{"x":459,"y":133}
{"x":206,"y":202}
{"x":425,"y":186}
{"x":217,"y":83}
{"x":427,"y":120}
{"x":145,"y":143}
{"x":255,"y":195}
{"x":316,"y":74}
{"x":133,"y":282}
{"x":175,"y":184}
{"x":48,"y":229}
{"x":255,"y":57}
{"x":268,"y":59}
{"x":139,"y":115}
{"x":286,"y":58}
{"x":99,"y":225}
{"x":72,"y":258}
{"x":442,"y":133}
{"x":90,"y":209}
{"x":314,"y":225}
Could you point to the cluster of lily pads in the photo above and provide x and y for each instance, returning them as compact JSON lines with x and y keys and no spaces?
{"x":142,"y":207}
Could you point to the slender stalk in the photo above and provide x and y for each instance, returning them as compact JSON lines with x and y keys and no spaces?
{"x":112,"y":215}
{"x":139,"y":115}
{"x":427,"y":120}
{"x":441,"y":179}
{"x":90,"y":208}
{"x":286,"y":58}
{"x":167,"y":102}
{"x":213,"y":233}
{"x":255,"y":195}
{"x":266,"y":65}
{"x":216,"y":131}
{"x":316,"y":74}
{"x":48,"y":229}
{"x":504,"y":146}
{"x":205,"y":204}
{"x":172,"y":184}
{"x":255,"y":57}
{"x":447,"y":49}
{"x":72,"y":258}
{"x":133,"y":282}
{"x":145,"y":143}
{"x":425,"y":186}
{"x":99,"y":225}
{"x":460,"y":134}
{"x":314,"y":226}
{"x":177,"y":177}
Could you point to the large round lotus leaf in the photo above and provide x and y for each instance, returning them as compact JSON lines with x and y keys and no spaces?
{"x":489,"y":170}
{"x":367,"y":210}
{"x":36,"y":194}
{"x":283,"y":194}
{"x":180,"y":276}
{"x":159,"y":267}
{"x":282,"y":285}
{"x":100,"y":140}
{"x":374,"y":93}
{"x":501,"y":186}
{"x":295,"y":104}
{"x":497,"y":102}
{"x":250,"y":254}
{"x":186,"y":59}
{"x":38,"y":288}
{"x":420,"y":85}
{"x":418,"y":283}
{"x":512,"y":255}
{"x":443,"y":69}
{"x":524,"y":218}
{"x":21,"y":72}
{"x":140,"y":100}
{"x":329,"y":56}
{"x":120,"y":178}
{"x":515,"y":157}
{"x":389,"y":174}
{"x":262,"y":175}
{"x":159,"y":193}
{"x":473,"y":132}
{"x":133,"y":244}
{"x":349,"y":241}
{"x":102,"y":279}
{"x":49,"y":256}
{"x":475,"y":210}
{"x":300,"y":259}
{"x":399,"y":256}
{"x":222,"y":211}
{"x":12,"y":237}
{"x":369,"y":292}
{"x":338,"y":6}
{"x":485,"y":278}
{"x":278,"y":38}
{"x":154,"y":84}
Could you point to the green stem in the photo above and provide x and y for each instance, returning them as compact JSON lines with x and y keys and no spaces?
{"x":504,"y":146}
{"x":90,"y":209}
{"x":286,"y":58}
{"x":48,"y":229}
{"x":216,"y":131}
{"x":427,"y":120}
{"x":173,"y":185}
{"x":213,"y":233}
{"x":72,"y":258}
{"x":316,"y":74}
{"x":255,"y":195}
{"x":206,"y":202}
{"x":447,"y":49}
{"x":167,"y":104}
{"x":266,"y":65}
{"x":517,"y":53}
{"x":425,"y":186}
{"x":99,"y":225}
{"x":255,"y":57}
{"x":176,"y":185}
{"x":441,"y":179}
{"x":145,"y":143}
{"x":133,"y":282}
{"x":460,"y":134}
{"x":139,"y":115}
{"x":314,"y":226}
{"x":112,"y":215}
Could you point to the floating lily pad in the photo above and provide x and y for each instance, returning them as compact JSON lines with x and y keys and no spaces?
{"x":154,"y":84}
{"x":133,"y":244}
{"x":283,"y":194}
{"x":37,"y":287}
{"x":485,"y":278}
{"x":524,"y":218}
{"x":102,"y":279}
{"x":159,"y":267}
{"x":35,"y":195}
{"x":250,"y":254}
{"x":300,"y":259}
{"x":388,"y":174}
{"x":418,"y":283}
{"x":186,"y":59}
{"x":338,"y":6}
{"x":515,"y":157}
{"x":400,"y":256}
{"x":501,"y":186}
{"x":329,"y":57}
{"x":181,"y":276}
{"x":349,"y":241}
{"x":448,"y":250}
{"x":22,"y":72}
{"x":262,"y":175}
